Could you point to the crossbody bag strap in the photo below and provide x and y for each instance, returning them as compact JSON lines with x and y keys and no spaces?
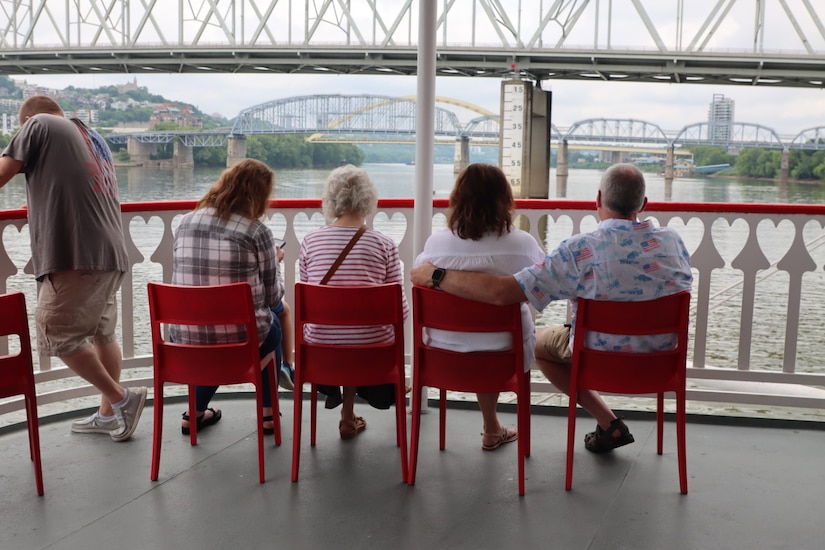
{"x":343,"y":254}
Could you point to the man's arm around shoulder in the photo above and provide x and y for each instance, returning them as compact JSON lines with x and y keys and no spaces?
{"x":472,"y":285}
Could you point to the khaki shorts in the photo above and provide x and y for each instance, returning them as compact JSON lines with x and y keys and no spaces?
{"x":76,"y":309}
{"x":555,"y":341}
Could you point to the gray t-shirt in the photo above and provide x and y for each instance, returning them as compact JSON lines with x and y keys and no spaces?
{"x":74,"y":211}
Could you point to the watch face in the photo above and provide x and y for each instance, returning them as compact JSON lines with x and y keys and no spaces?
{"x":438,"y":275}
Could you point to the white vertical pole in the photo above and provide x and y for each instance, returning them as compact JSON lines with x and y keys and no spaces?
{"x":424,"y":125}
{"x":424,"y":132}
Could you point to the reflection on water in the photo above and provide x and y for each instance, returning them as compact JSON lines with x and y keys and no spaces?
{"x":398,"y":180}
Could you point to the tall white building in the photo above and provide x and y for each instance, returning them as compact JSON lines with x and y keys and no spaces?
{"x":720,"y":119}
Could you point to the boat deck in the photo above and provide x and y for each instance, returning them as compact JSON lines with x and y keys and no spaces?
{"x":752,"y":485}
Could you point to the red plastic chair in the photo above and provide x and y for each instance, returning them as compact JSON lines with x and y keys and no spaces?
{"x":207,"y":365}
{"x":478,"y":372}
{"x":344,"y":365}
{"x":17,"y":372}
{"x":632,"y":373}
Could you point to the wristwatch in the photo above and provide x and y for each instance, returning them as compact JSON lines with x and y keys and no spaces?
{"x":438,"y":276}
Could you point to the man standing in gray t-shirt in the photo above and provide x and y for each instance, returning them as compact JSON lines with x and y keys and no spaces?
{"x":78,"y":254}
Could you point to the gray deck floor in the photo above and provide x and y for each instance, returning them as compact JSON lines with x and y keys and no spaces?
{"x":751,"y":487}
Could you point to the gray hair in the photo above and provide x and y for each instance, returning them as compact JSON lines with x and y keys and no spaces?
{"x":349,"y":191}
{"x":623,"y":189}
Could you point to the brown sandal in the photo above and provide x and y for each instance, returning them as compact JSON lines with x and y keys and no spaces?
{"x":506,"y":436}
{"x":350,"y":428}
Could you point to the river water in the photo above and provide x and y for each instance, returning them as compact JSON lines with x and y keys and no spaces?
{"x":398,"y":180}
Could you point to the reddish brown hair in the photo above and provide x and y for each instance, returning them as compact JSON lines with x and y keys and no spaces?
{"x":481,"y":202}
{"x":244,"y":188}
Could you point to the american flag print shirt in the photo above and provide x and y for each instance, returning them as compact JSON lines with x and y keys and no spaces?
{"x":621,"y":260}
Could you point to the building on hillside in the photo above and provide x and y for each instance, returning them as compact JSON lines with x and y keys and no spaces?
{"x":720,"y":119}
{"x":181,"y":115}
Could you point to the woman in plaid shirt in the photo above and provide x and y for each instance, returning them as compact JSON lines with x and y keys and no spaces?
{"x":224,"y":241}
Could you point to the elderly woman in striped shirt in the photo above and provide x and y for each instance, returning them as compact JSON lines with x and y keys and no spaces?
{"x":349,"y":198}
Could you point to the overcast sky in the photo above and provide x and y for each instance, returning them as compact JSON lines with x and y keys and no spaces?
{"x":671,"y":106}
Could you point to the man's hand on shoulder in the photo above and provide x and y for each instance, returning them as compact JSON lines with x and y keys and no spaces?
{"x":422,"y":275}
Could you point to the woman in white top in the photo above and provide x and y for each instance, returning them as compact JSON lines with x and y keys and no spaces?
{"x":480,"y":237}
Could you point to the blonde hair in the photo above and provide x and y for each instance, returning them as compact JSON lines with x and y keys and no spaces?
{"x":244,"y":188}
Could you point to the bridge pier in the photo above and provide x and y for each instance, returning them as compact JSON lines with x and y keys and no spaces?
{"x":139,"y":152}
{"x":235,"y":149}
{"x":562,"y":170}
{"x":668,"y":168}
{"x":785,"y":165}
{"x":182,"y":155}
{"x":462,"y":154}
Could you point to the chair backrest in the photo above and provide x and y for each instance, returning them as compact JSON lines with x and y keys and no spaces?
{"x":486,"y":371}
{"x":16,"y":374}
{"x":214,"y":364}
{"x":363,"y":305}
{"x":627,"y":372}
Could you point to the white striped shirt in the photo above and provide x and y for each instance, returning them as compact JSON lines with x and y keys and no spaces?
{"x":373,"y":260}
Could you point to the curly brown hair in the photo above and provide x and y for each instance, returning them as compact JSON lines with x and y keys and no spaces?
{"x":481,"y":202}
{"x":244,"y":188}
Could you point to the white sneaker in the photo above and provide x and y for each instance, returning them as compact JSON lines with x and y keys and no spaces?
{"x":129,"y":414}
{"x":94,"y":425}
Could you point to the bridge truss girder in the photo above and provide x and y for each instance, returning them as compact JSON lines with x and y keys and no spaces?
{"x":642,"y":40}
{"x":357,"y":114}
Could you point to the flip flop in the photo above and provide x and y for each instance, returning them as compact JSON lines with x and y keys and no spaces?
{"x":203,"y":420}
{"x":506,"y":436}
{"x":350,"y":428}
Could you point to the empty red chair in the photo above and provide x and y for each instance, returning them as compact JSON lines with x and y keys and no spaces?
{"x":632,"y":373}
{"x":207,"y":365}
{"x":17,"y":372}
{"x":477,"y":372}
{"x":345,"y":365}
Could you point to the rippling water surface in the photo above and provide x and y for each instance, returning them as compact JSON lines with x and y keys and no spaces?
{"x":397,"y":180}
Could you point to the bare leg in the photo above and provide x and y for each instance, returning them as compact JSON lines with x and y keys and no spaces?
{"x":348,"y":409}
{"x":487,"y":402}
{"x":559,"y":375}
{"x":112,"y":360}
{"x":88,"y":365}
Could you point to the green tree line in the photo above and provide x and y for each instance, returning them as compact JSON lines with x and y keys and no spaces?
{"x":763,"y":163}
{"x":278,"y":151}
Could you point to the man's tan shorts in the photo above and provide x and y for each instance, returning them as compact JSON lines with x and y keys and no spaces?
{"x":555,"y":341}
{"x":76,"y":309}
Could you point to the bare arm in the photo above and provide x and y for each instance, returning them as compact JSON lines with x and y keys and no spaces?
{"x":472,"y":285}
{"x":9,"y":167}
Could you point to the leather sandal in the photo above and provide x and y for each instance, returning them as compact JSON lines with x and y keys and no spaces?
{"x":506,"y":436}
{"x":603,"y":441}
{"x":203,"y":421}
{"x":350,"y":428}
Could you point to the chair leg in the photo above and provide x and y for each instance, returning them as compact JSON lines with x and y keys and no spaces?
{"x":401,"y":429}
{"x":313,"y":413}
{"x":442,"y":419}
{"x":415,"y":435}
{"x":158,"y":431}
{"x":193,"y":417}
{"x":296,"y":426}
{"x":660,"y":421}
{"x":681,"y":441}
{"x":272,"y":375}
{"x":259,"y":406}
{"x":34,"y":440}
{"x":571,"y":436}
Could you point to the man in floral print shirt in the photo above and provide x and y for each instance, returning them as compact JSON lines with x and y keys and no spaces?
{"x":623,"y":259}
